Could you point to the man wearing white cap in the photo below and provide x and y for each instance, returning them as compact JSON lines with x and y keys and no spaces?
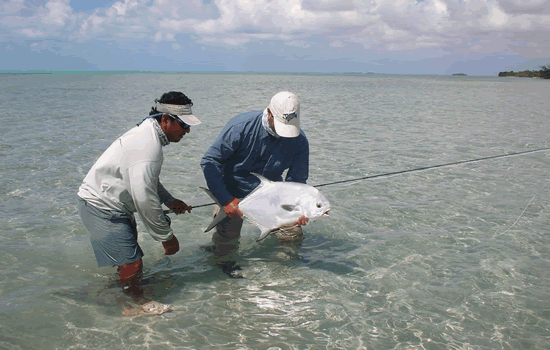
{"x":265,"y":142}
{"x":125,"y":180}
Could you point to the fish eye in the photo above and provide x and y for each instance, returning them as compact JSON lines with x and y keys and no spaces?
{"x":319,"y":205}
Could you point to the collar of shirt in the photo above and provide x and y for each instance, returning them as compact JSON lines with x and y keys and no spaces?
{"x":162,"y":136}
{"x":265,"y":124}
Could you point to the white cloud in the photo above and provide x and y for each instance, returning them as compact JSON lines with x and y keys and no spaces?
{"x":496,"y":16}
{"x":525,"y":6}
{"x":120,"y":8}
{"x":519,"y":27}
{"x":57,"y":12}
{"x":328,"y":5}
{"x":299,"y":43}
{"x":31,"y":33}
{"x":38,"y":46}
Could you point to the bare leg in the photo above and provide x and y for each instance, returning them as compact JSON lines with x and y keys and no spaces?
{"x":130,"y":278}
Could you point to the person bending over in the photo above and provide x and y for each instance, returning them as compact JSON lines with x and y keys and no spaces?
{"x":266,"y":142}
{"x":125,"y":180}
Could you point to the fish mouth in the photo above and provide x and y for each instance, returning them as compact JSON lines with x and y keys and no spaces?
{"x":325,"y":213}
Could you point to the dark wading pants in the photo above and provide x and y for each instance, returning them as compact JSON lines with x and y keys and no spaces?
{"x":226,"y":237}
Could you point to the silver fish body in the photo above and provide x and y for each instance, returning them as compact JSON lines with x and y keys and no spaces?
{"x":274,"y":204}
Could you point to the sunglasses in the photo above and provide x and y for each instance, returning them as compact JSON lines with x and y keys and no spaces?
{"x":182,"y":123}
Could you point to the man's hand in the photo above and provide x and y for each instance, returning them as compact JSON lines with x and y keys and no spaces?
{"x":171,"y":247}
{"x":302,"y":221}
{"x":231,"y":208}
{"x":179,"y":207}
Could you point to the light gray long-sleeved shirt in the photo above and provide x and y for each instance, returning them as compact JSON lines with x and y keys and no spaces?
{"x":126,"y":178}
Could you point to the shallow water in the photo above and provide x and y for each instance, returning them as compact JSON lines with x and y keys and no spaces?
{"x":455,"y":257}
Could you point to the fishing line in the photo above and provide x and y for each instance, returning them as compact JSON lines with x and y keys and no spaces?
{"x":434,"y":166}
{"x":523,"y":212}
{"x":420,"y":169}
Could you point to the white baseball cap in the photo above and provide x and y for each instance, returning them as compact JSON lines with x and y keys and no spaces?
{"x":285,"y":109}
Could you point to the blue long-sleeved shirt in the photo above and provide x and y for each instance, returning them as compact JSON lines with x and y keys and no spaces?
{"x":244,"y":146}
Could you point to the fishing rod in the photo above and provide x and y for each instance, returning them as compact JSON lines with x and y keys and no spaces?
{"x":411,"y":170}
{"x":196,"y":206}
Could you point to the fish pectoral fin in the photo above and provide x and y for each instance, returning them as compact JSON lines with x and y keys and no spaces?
{"x":289,"y":207}
{"x":264,"y":234}
{"x":264,"y":230}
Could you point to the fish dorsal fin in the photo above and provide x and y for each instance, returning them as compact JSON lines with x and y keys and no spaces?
{"x":289,"y":207}
{"x":263,"y":183}
{"x":262,"y":178}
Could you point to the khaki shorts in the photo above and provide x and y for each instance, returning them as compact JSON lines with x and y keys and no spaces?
{"x":113,"y":235}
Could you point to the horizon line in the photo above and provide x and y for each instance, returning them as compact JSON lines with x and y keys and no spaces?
{"x":45,"y":71}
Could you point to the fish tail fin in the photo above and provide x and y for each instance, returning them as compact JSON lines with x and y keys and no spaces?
{"x":219,"y":216}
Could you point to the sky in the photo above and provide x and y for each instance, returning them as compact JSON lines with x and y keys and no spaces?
{"x":475,"y":37}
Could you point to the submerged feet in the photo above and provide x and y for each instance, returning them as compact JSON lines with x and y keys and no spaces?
{"x":137,"y":303}
{"x":144,"y":307}
{"x":224,"y":259}
{"x":231,"y":268}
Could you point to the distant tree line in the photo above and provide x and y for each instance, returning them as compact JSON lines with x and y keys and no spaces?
{"x":543,"y":73}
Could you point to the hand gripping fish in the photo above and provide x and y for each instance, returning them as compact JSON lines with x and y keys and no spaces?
{"x":274,"y":204}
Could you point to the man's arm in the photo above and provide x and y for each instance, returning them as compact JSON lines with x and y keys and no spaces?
{"x":299,"y":170}
{"x":164,"y":196}
{"x":177,"y":206}
{"x":213,"y":163}
{"x":142,"y":182}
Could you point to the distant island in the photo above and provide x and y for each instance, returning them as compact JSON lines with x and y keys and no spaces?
{"x":543,"y":73}
{"x":523,"y":74}
{"x":461,"y":74}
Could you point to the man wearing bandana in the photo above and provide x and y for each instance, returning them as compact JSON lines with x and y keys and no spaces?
{"x":125,"y":180}
{"x":267,"y":142}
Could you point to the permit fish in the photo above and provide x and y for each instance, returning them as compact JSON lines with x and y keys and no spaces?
{"x":274,"y":204}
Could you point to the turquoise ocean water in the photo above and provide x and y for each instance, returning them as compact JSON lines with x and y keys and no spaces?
{"x":448,"y":258}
